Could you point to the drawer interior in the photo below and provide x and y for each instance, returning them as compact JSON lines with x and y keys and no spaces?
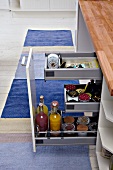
{"x":72,"y":66}
{"x":73,"y":96}
{"x":91,"y":132}
{"x":73,"y":61}
{"x":79,"y":62}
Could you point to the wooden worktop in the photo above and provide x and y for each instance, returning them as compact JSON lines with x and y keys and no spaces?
{"x":98,"y":15}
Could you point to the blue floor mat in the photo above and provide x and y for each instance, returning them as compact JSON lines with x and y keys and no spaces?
{"x":19,"y":156}
{"x":17,"y":104}
{"x":48,"y":38}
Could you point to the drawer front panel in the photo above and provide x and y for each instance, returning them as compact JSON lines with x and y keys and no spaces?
{"x":81,"y":107}
{"x":34,"y":4}
{"x":69,"y":74}
{"x":64,"y":5}
{"x":71,"y":141}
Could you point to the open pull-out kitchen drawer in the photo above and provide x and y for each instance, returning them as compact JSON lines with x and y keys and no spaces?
{"x":63,"y":137}
{"x":76,"y":66}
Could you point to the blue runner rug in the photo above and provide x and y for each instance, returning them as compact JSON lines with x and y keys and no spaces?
{"x":17,"y":104}
{"x":19,"y":156}
{"x":48,"y":38}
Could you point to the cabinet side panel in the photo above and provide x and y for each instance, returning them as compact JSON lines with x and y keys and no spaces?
{"x":84,"y":42}
{"x":31,"y":94}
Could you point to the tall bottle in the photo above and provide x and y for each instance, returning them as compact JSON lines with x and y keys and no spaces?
{"x":91,"y":87}
{"x":55,"y":117}
{"x":41,"y":119}
{"x":45,"y":108}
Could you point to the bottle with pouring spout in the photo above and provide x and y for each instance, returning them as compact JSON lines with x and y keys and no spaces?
{"x":55,"y":117}
{"x":41,"y":119}
{"x":45,"y":108}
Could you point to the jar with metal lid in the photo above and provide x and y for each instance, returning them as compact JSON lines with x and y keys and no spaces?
{"x":53,"y":61}
{"x":69,"y":127}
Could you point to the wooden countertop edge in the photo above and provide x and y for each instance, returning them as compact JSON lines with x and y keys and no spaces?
{"x":101,"y":55}
{"x":106,"y":69}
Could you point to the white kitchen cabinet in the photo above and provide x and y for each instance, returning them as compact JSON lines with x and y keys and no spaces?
{"x":102,"y":162}
{"x":42,"y":5}
{"x":105,"y":127}
{"x":4,"y":4}
{"x":34,"y":5}
{"x":62,"y":5}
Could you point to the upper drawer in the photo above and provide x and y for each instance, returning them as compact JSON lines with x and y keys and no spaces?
{"x":63,"y":5}
{"x":35,"y":4}
{"x":88,"y":61}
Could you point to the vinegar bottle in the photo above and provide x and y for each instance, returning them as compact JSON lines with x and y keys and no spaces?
{"x":55,"y":117}
{"x":41,"y":119}
{"x":45,"y":108}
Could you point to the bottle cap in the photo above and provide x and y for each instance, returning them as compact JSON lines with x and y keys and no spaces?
{"x":54,"y":104}
{"x":41,"y":97}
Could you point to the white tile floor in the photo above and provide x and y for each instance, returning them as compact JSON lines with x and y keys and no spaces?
{"x":12,"y":34}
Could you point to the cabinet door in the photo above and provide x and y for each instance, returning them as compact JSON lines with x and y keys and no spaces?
{"x":4,"y":4}
{"x":62,"y":5}
{"x":35,"y":4}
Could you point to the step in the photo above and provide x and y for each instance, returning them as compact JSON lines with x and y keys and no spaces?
{"x":15,"y":125}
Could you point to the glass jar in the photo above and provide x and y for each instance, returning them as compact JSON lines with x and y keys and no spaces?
{"x":53,"y":61}
{"x":83,"y":120}
{"x":82,"y":130}
{"x":69,"y":127}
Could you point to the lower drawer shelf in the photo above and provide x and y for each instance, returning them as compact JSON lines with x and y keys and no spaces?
{"x":69,"y":137}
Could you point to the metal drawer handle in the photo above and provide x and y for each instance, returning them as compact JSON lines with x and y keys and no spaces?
{"x":23,"y":63}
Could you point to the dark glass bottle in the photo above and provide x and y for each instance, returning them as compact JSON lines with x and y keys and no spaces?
{"x":41,"y":119}
{"x":91,"y":87}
